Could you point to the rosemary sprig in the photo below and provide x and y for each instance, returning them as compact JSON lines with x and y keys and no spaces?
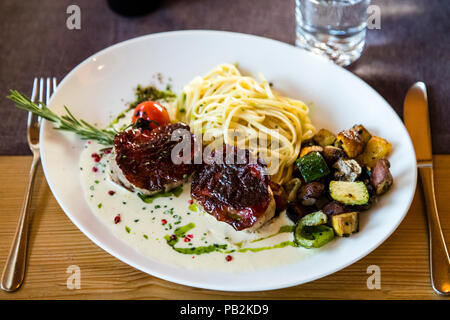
{"x":66,"y":122}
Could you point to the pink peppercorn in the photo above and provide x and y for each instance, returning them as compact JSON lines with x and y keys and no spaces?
{"x":228,"y":258}
{"x":96,"y":157}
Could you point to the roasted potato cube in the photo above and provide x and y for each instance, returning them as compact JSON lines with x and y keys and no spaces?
{"x":376,"y":148}
{"x":309,"y":149}
{"x":365,"y":135}
{"x":351,"y":142}
{"x":324,"y":138}
{"x":345,"y":224}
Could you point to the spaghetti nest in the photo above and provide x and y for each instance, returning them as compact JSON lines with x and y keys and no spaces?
{"x":227,"y":107}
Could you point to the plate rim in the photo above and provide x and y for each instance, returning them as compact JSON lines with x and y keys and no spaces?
{"x":201,"y":285}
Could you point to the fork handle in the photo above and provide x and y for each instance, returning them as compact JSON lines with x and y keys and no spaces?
{"x":439,"y":258}
{"x":14,"y":271}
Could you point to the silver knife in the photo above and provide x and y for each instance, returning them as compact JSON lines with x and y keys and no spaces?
{"x":415,"y":115}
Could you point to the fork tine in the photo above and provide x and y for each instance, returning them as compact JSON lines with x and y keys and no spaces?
{"x":54,"y":85}
{"x":41,"y":90}
{"x":34,"y":92}
{"x":41,"y":94}
{"x":48,"y":87}
{"x":33,"y":99}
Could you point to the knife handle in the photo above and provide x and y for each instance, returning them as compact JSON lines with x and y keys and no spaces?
{"x":439,"y":258}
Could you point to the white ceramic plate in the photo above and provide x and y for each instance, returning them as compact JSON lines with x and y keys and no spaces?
{"x":98,"y":87}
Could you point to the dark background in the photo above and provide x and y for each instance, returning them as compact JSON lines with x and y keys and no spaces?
{"x":413,"y":44}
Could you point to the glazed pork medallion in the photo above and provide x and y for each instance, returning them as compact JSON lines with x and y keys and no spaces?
{"x":237,"y":193}
{"x":141,"y":160}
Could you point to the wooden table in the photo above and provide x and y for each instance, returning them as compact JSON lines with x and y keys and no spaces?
{"x":56,"y":244}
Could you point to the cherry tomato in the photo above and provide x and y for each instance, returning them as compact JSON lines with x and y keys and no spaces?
{"x":153,"y":112}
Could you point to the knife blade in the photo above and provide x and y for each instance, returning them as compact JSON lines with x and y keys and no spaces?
{"x":415,"y":115}
{"x":416,"y":118}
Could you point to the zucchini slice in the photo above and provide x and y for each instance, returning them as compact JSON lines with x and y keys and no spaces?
{"x":345,"y":224}
{"x":311,"y":231}
{"x":350,"y":193}
{"x":312,"y":166}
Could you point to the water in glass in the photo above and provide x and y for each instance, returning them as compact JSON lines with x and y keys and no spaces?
{"x":332,"y":28}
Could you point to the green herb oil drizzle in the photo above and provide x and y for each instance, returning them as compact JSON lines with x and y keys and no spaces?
{"x":149,"y":199}
{"x":277,"y":246}
{"x":181,"y":232}
{"x":282,"y":229}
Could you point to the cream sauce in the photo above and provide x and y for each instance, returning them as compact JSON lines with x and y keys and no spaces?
{"x":145,"y":227}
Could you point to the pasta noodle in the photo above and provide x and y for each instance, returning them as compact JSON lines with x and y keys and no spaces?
{"x":238,"y":110}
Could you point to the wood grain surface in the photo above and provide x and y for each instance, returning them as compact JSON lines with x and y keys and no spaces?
{"x":56,"y":244}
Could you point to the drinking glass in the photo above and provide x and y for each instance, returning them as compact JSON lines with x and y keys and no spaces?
{"x":332,"y":28}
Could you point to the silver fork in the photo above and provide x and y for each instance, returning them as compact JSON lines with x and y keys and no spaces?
{"x":14,"y":272}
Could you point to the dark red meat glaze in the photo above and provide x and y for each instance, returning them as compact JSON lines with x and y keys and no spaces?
{"x":237,"y":194}
{"x":145,"y":157}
